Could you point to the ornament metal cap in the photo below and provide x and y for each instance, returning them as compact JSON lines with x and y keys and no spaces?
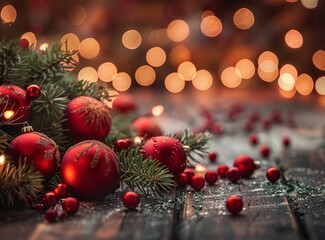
{"x":27,"y":129}
{"x":257,"y":164}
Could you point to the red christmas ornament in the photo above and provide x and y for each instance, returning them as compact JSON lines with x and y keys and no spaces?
{"x":70,"y":205}
{"x":222,"y":170}
{"x":197,"y":182}
{"x":264,"y":151}
{"x":124,"y":104}
{"x":146,"y":127}
{"x":276,"y":116}
{"x":183,"y":180}
{"x":218,"y":128}
{"x":233,"y":174}
{"x":211,"y":177}
{"x":33,"y":92}
{"x":213,"y":156}
{"x":234,"y":204}
{"x":254,"y":117}
{"x":90,"y":169}
{"x":49,"y":199}
{"x":248,"y":126}
{"x":38,"y":149}
{"x":24,"y":43}
{"x":62,"y":215}
{"x":131,"y":200}
{"x":51,"y":215}
{"x":286,"y":141}
{"x":39,"y":207}
{"x":273,"y":174}
{"x":253,"y":139}
{"x":245,"y":165}
{"x":15,"y":107}
{"x":61,"y":191}
{"x":189,"y":172}
{"x":266,"y":123}
{"x":123,"y":144}
{"x":88,"y":118}
{"x":168,"y":151}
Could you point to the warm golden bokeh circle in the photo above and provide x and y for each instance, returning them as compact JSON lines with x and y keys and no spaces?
{"x":202,"y":80}
{"x":289,"y":68}
{"x":179,"y":54}
{"x":174,"y":83}
{"x":246,"y":68}
{"x":319,"y":59}
{"x":145,"y":75}
{"x":186,"y":70}
{"x":70,"y":41}
{"x":8,"y":14}
{"x":294,"y":39}
{"x":131,"y":39}
{"x":304,"y":84}
{"x":320,"y":85}
{"x":89,"y":48}
{"x":107,"y":71}
{"x":268,"y":76}
{"x":77,"y":14}
{"x":89,"y":74}
{"x":286,"y":82}
{"x":231,"y":77}
{"x":243,"y":18}
{"x":211,"y":26}
{"x":178,"y":30}
{"x":156,"y":56}
{"x":31,"y":39}
{"x":122,"y":81}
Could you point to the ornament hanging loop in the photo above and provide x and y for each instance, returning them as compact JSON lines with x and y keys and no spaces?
{"x":26,"y":128}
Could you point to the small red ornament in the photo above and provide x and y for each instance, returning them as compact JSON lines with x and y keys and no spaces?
{"x":39,"y":207}
{"x":286,"y":141}
{"x":234,"y":204}
{"x":248,"y":126}
{"x":15,"y":107}
{"x":70,"y":205}
{"x":61,"y":191}
{"x":90,"y":169}
{"x":213,"y":156}
{"x":254,"y":117}
{"x":273,"y":174}
{"x":146,"y":127}
{"x":168,"y":151}
{"x":38,"y":149}
{"x":245,"y":165}
{"x":218,"y":128}
{"x":197,"y":182}
{"x":131,"y":200}
{"x":33,"y":92}
{"x":264,"y":151}
{"x":88,"y":118}
{"x":51,"y":215}
{"x":266,"y":123}
{"x":124,"y":104}
{"x":276,"y":116}
{"x":222,"y":170}
{"x":24,"y":43}
{"x":233,"y":174}
{"x":211,"y":177}
{"x":183,"y":180}
{"x":62,"y":215}
{"x":253,"y":139}
{"x":189,"y":172}
{"x":49,"y":199}
{"x":123,"y":144}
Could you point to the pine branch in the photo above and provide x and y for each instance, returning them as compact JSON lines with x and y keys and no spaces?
{"x":18,"y":182}
{"x":146,"y":175}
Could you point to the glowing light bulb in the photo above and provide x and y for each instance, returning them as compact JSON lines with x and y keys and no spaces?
{"x":157,"y":110}
{"x":8,"y":114}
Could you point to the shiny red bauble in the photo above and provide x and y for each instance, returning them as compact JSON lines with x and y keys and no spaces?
{"x":234,"y":204}
{"x":124,"y":104}
{"x":123,"y":144}
{"x":286,"y":141}
{"x":273,"y":174}
{"x":213,"y":156}
{"x":222,"y":170}
{"x":24,"y":43}
{"x":189,"y":172}
{"x":146,"y":127}
{"x":131,"y":200}
{"x":264,"y":151}
{"x":51,"y":215}
{"x":245,"y":165}
{"x":90,"y":169}
{"x":168,"y":151}
{"x":15,"y":107}
{"x":61,"y":191}
{"x":253,"y":139}
{"x":88,"y":118}
{"x":49,"y":199}
{"x":211,"y":177}
{"x":37,"y":149}
{"x":197,"y":182}
{"x":70,"y":205}
{"x":233,"y":174}
{"x":33,"y":92}
{"x":183,"y":180}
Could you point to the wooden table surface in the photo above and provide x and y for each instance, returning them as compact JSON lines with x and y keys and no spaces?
{"x":271,"y":211}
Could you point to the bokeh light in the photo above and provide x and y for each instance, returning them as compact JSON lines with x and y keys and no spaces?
{"x":8,"y":14}
{"x":179,"y":54}
{"x":246,"y":68}
{"x":77,"y":15}
{"x":89,"y":74}
{"x":43,"y":47}
{"x":288,"y":68}
{"x":304,"y":84}
{"x":268,"y":55}
{"x":70,"y":41}
{"x":131,"y":39}
{"x":310,"y":4}
{"x":8,"y":114}
{"x":211,"y":26}
{"x":202,"y":80}
{"x":156,"y":56}
{"x":320,"y":85}
{"x":89,"y":48}
{"x":174,"y":83}
{"x":145,"y":75}
{"x":122,"y":81}
{"x":287,"y":94}
{"x":243,"y":18}
{"x":178,"y":30}
{"x":107,"y":71}
{"x":157,"y":110}
{"x":286,"y":82}
{"x":268,"y":76}
{"x":31,"y":39}
{"x":294,"y":39}
{"x":231,"y":77}
{"x":319,"y":59}
{"x":70,"y":66}
{"x":206,"y":13}
{"x":158,"y":37}
{"x":186,"y":70}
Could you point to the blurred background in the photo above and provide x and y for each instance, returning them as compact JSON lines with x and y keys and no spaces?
{"x":179,"y":45}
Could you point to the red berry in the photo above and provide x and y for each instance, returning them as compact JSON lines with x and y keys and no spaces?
{"x":273,"y":174}
{"x":51,"y":215}
{"x":183,"y":180}
{"x":131,"y":200}
{"x":248,"y":126}
{"x":253,"y":139}
{"x":286,"y":141}
{"x":264,"y":151}
{"x":213,"y":156}
{"x":70,"y":205}
{"x":234,"y":204}
{"x":245,"y":165}
{"x":276,"y":116}
{"x":61,"y":191}
{"x":211,"y":177}
{"x":49,"y":199}
{"x":266,"y":123}
{"x":24,"y":43}
{"x":189,"y":172}
{"x":254,"y":117}
{"x":39,"y":207}
{"x":218,"y":128}
{"x":233,"y":174}
{"x":222,"y":170}
{"x":33,"y":92}
{"x":197,"y":182}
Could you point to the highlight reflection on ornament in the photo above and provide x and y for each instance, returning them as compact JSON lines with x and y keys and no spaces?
{"x":8,"y":114}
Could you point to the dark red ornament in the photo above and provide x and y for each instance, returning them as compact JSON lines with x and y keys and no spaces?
{"x":62,"y":215}
{"x":88,"y":118}
{"x":213,"y":156}
{"x":264,"y":151}
{"x":197,"y":182}
{"x":39,"y":207}
{"x":273,"y":174}
{"x":51,"y":215}
{"x":211,"y":177}
{"x":233,"y":174}
{"x":124,"y":104}
{"x":39,"y":150}
{"x":253,"y":139}
{"x":30,"y":200}
{"x":234,"y":204}
{"x":70,"y":205}
{"x":248,"y":126}
{"x":146,"y":127}
{"x":222,"y":170}
{"x":254,"y":117}
{"x":24,"y":43}
{"x":286,"y":141}
{"x":218,"y":128}
{"x":49,"y":199}
{"x":266,"y":123}
{"x":276,"y":116}
{"x":168,"y":151}
{"x":123,"y":144}
{"x":245,"y":165}
{"x":131,"y":200}
{"x":33,"y":92}
{"x":90,"y":169}
{"x":183,"y":180}
{"x":61,"y":191}
{"x":189,"y":172}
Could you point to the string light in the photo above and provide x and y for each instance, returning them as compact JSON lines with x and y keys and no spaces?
{"x":178,"y":30}
{"x":31,"y":39}
{"x":156,"y":56}
{"x":107,"y":71}
{"x":89,"y":48}
{"x":319,"y":59}
{"x":202,"y":80}
{"x":243,"y":18}
{"x":231,"y":77}
{"x":246,"y":68}
{"x":174,"y":83}
{"x":186,"y":70}
{"x":157,"y":110}
{"x":89,"y":74}
{"x":145,"y":75}
{"x":320,"y":85}
{"x":294,"y":39}
{"x":8,"y":14}
{"x":211,"y":26}
{"x":304,"y":84}
{"x":43,"y":47}
{"x":286,"y":82}
{"x":70,"y":42}
{"x":8,"y":114}
{"x":122,"y":81}
{"x":179,"y":54}
{"x":131,"y":39}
